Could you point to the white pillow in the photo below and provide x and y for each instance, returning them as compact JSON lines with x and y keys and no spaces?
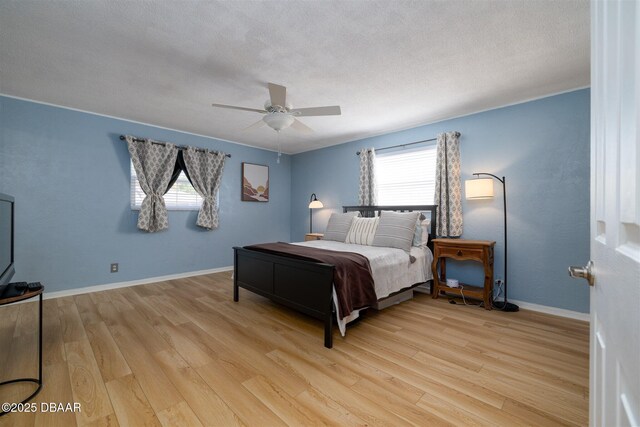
{"x":426,"y":229}
{"x":396,"y":230}
{"x":362,"y":231}
{"x":417,"y":235}
{"x":421,"y":235}
{"x":339,"y":225}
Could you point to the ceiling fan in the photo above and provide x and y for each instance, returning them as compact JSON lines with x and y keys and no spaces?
{"x":279,"y":114}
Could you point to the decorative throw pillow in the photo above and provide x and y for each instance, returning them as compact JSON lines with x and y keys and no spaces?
{"x":426,"y":230}
{"x":338,"y":226}
{"x":362,"y":231}
{"x":396,"y":230}
{"x":417,"y":234}
{"x":423,"y":229}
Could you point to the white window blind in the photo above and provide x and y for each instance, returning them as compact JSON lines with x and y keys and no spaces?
{"x":407,"y":177}
{"x":182,"y":195}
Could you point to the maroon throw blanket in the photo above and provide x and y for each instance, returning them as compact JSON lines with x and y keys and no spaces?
{"x":351,"y":276}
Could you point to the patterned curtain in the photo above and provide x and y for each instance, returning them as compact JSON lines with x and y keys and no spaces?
{"x":154,"y":164}
{"x":448,"y":194}
{"x":368,"y":194}
{"x":204,"y":170}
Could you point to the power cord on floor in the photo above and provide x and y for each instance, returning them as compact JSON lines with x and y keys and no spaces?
{"x":498,"y":295}
{"x":461,"y":289}
{"x":462,"y":294}
{"x":481,"y":304}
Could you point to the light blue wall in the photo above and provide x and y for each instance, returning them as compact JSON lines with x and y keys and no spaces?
{"x":542,"y":147}
{"x":69,"y":173}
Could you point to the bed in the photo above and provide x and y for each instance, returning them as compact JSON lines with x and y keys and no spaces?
{"x":308,"y":286}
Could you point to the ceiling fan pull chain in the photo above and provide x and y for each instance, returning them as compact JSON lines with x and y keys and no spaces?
{"x":279,"y":151}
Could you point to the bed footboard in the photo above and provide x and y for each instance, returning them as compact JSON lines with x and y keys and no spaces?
{"x":305,"y":286}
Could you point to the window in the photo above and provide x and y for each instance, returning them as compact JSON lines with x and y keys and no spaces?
{"x":407,"y":177}
{"x":182,"y":195}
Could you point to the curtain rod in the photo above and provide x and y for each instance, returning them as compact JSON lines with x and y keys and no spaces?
{"x":180,"y":147}
{"x":404,"y":145}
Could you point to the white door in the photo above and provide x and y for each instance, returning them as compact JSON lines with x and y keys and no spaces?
{"x":615,"y":213}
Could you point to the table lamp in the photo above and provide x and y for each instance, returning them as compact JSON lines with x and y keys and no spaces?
{"x":314,"y":203}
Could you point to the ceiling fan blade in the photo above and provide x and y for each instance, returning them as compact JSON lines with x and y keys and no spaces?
{"x":317,"y":111}
{"x":301,"y":127}
{"x":278,"y":94}
{"x":232,"y":107}
{"x":256,"y":125}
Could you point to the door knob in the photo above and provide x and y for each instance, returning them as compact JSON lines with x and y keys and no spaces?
{"x":585,"y":272}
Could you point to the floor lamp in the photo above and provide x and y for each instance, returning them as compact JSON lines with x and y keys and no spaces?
{"x":314,"y":203}
{"x":482,"y":188}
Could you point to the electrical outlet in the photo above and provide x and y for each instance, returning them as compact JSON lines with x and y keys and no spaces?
{"x":114,"y":267}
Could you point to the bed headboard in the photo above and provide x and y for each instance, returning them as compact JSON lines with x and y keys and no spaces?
{"x":371,"y":211}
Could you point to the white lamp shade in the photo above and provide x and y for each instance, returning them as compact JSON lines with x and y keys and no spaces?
{"x":479,"y":188}
{"x":316,"y":204}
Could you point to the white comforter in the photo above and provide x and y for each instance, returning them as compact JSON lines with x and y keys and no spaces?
{"x":391,"y":268}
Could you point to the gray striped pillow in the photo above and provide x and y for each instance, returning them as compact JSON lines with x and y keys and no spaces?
{"x":362,"y":231}
{"x":338,"y":226}
{"x":395,"y":229}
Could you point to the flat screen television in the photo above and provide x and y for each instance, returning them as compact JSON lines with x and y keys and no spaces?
{"x":7,"y":210}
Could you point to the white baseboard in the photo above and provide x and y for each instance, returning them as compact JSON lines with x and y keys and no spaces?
{"x":425,"y":289}
{"x":585,"y":317}
{"x":98,"y":288}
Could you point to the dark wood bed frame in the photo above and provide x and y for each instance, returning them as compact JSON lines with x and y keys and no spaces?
{"x":305,"y":286}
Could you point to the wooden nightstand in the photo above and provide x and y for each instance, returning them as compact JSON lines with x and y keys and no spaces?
{"x":313,"y":236}
{"x":458,"y":249}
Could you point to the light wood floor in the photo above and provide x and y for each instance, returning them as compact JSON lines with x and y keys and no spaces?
{"x":183,"y":353}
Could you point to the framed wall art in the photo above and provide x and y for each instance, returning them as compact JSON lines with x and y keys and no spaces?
{"x":255,"y":182}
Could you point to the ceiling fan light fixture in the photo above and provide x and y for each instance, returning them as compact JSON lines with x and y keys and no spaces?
{"x":278,"y":121}
{"x":279,"y":114}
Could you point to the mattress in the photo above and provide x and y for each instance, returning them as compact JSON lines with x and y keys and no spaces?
{"x":391,"y":268}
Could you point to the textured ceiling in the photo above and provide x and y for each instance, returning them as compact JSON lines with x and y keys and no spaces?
{"x":389,"y":64}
